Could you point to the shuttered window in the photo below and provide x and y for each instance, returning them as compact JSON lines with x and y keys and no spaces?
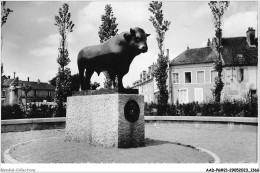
{"x":200,"y":77}
{"x":175,"y":77}
{"x":214,"y":74}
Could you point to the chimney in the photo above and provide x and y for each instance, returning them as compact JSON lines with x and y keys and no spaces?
{"x":38,"y":81}
{"x":214,"y":43}
{"x":144,"y":75}
{"x":149,"y":69}
{"x":208,"y":43}
{"x":14,"y":75}
{"x":188,"y":47}
{"x":28,"y":79}
{"x":8,"y":77}
{"x":250,"y":36}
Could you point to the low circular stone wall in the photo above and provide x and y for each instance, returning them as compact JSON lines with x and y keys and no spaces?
{"x":57,"y":150}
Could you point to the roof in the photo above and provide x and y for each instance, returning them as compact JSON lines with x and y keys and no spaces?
{"x":7,"y":82}
{"x":3,"y":78}
{"x":195,"y":56}
{"x":40,"y":86}
{"x":237,"y":52}
{"x":35,"y":85}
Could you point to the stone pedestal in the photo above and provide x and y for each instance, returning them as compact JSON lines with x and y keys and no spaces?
{"x":108,"y":120}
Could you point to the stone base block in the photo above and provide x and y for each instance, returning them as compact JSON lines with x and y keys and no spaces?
{"x":108,"y":120}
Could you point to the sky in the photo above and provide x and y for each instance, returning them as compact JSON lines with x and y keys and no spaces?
{"x":31,"y":40}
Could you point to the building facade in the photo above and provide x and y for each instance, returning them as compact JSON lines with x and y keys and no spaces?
{"x":12,"y":93}
{"x":146,"y":85}
{"x":193,"y":75}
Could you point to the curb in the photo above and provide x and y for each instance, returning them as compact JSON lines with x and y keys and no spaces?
{"x":215,"y":157}
{"x":9,"y":159}
{"x":248,"y":120}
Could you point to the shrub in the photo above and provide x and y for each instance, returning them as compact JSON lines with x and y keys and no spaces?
{"x":172,"y":110}
{"x":251,"y":108}
{"x":42,"y":111}
{"x":211,"y":108}
{"x":18,"y":112}
{"x":60,"y":111}
{"x":227,"y":108}
{"x":191,"y":109}
{"x":6,"y":112}
{"x":150,"y":109}
{"x":33,"y":111}
{"x":232,"y":108}
{"x":46,"y":111}
{"x":12,"y":112}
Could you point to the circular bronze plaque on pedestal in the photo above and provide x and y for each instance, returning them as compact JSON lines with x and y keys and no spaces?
{"x":132,"y":111}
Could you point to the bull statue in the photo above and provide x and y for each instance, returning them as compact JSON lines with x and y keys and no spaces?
{"x":114,"y":56}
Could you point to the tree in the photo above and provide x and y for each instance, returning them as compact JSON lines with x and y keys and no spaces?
{"x":63,"y":83}
{"x":26,"y":89}
{"x":74,"y":79}
{"x":4,"y":14}
{"x":107,"y":29}
{"x":161,"y":72}
{"x":75,"y":83}
{"x":217,"y":9}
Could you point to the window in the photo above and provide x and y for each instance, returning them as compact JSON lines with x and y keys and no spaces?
{"x":187,"y":77}
{"x":213,"y":75}
{"x":22,"y":93}
{"x":200,"y":77}
{"x":3,"y":93}
{"x":240,"y":75}
{"x":183,"y":96}
{"x":198,"y":95}
{"x":175,"y":77}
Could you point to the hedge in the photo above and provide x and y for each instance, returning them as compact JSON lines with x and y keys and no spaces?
{"x":226,"y":108}
{"x":33,"y":111}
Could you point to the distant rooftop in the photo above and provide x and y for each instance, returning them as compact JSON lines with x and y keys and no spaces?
{"x":35,"y":85}
{"x":236,"y":51}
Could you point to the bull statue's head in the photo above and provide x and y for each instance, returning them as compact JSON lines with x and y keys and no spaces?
{"x":137,"y":39}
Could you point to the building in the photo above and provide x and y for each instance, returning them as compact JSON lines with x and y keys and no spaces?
{"x":193,"y":76}
{"x":12,"y":93}
{"x":146,"y":85}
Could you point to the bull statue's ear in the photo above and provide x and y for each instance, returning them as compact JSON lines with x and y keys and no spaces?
{"x":127,"y":36}
{"x":147,"y":35}
{"x":132,"y":31}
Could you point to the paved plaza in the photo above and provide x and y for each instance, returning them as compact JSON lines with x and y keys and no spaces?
{"x":231,"y":143}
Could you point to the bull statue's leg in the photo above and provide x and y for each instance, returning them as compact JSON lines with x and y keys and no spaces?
{"x":120,"y":82}
{"x":81,"y":79}
{"x":112,"y":77}
{"x":88,"y":74}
